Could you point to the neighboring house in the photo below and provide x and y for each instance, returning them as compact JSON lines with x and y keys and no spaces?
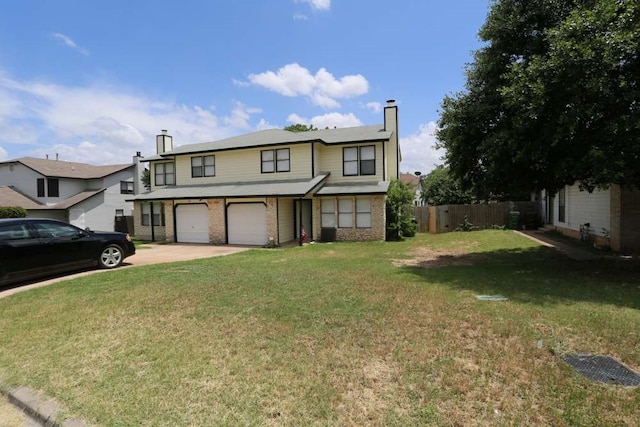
{"x":269,"y":185}
{"x":80,"y":194}
{"x":613,"y":215}
{"x":416,"y":183}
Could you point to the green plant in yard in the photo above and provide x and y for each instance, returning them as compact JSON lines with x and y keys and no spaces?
{"x":466,"y":225}
{"x":343,"y":334}
{"x":400,"y":223}
{"x":12,"y":212}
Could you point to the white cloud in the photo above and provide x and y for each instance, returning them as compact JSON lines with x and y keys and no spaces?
{"x":240,"y":116}
{"x":329,"y":120}
{"x":102,"y":124}
{"x":376,"y":107}
{"x":318,"y":4}
{"x":70,"y":43}
{"x":419,"y":152}
{"x":3,"y":154}
{"x":322,"y":88}
{"x":300,"y":17}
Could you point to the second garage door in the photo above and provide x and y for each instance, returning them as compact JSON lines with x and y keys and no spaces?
{"x":192,"y":224}
{"x":247,"y":224}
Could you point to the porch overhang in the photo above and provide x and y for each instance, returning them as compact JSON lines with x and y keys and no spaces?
{"x":362,"y":188}
{"x":286,"y":188}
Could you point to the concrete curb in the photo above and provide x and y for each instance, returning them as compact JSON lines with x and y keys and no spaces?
{"x":42,"y":410}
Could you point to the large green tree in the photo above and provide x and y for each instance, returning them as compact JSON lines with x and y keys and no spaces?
{"x":440,"y":188}
{"x":552,"y":98}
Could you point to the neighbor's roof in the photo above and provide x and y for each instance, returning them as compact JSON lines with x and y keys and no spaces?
{"x":281,"y":137}
{"x":9,"y":196}
{"x":378,"y":187}
{"x":61,"y":169}
{"x":292,"y":188}
{"x":409,"y":178}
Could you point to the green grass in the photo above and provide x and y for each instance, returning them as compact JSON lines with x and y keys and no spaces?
{"x":334,"y":334}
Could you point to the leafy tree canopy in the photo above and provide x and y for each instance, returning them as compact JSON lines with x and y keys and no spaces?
{"x":298,"y":127}
{"x":440,"y":188}
{"x":551,"y":99}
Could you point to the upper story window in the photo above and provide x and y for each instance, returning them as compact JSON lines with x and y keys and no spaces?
{"x":275,"y":160}
{"x":53,"y":187}
{"x":165,"y":174}
{"x":203,"y":166}
{"x":359,"y":160}
{"x":40,"y":187}
{"x":126,"y":187}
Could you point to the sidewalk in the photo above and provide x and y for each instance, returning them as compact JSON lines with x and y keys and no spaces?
{"x":571,"y":250}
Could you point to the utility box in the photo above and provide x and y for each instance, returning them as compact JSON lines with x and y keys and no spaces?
{"x":328,"y":234}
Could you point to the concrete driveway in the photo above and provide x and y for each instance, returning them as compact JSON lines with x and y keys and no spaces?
{"x":145,"y":255}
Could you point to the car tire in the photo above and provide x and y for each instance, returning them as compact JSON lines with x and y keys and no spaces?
{"x":110,"y":256}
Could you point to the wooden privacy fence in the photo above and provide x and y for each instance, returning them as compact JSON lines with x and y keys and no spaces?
{"x":441,"y":219}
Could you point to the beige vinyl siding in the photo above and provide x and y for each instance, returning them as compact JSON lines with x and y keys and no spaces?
{"x":244,"y":166}
{"x":285,"y":220}
{"x":330,"y":160}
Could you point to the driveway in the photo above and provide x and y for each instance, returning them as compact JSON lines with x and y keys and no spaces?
{"x":145,"y":254}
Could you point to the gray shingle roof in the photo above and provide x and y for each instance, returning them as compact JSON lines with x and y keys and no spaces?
{"x":280,"y":137}
{"x":9,"y":196}
{"x":290,"y":188}
{"x":380,"y":187}
{"x":61,"y":169}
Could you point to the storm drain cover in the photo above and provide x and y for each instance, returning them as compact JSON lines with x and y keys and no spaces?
{"x":603,"y":368}
{"x":492,"y":298}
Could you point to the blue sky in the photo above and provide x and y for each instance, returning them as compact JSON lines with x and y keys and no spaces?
{"x":95,"y":81}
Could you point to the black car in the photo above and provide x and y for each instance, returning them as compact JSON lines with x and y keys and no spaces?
{"x":33,"y":247}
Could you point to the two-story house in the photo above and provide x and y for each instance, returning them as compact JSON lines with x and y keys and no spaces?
{"x":268,"y":186}
{"x":81,"y":194}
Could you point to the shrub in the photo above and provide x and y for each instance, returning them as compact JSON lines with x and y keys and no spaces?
{"x":12,"y":212}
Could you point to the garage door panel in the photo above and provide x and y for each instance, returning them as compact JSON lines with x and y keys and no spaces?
{"x":192,"y":223}
{"x":247,"y":224}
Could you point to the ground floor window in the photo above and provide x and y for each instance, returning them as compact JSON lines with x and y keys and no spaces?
{"x":155,"y":210}
{"x":328,"y":210}
{"x":345,"y":213}
{"x":363,"y":213}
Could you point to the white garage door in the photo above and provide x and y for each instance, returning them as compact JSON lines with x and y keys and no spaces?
{"x":192,"y":224}
{"x":247,"y":224}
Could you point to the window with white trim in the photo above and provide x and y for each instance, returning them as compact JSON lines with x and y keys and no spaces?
{"x":363,"y":213}
{"x":165,"y":174}
{"x":345,"y":213}
{"x":158,"y":214}
{"x":328,"y":213}
{"x":275,"y":160}
{"x":202,"y":166}
{"x":359,"y":160}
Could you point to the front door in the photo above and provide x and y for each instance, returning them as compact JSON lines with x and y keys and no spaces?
{"x":303,"y":218}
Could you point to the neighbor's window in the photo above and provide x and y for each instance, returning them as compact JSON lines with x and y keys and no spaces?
{"x":328,"y":211}
{"x":40,"y":187}
{"x":53,"y":187}
{"x":275,"y":160}
{"x":126,"y":187}
{"x":165,"y":174}
{"x":119,"y":213}
{"x":202,"y":166}
{"x":345,"y":213}
{"x":155,"y":210}
{"x":359,"y":160}
{"x":363,"y":213}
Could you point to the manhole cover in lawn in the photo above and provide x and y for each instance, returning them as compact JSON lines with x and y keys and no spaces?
{"x":603,"y":368}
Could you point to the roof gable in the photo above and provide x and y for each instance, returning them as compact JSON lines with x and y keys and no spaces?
{"x":62,"y":169}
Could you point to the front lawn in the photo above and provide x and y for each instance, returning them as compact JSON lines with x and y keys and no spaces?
{"x":334,"y":334}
